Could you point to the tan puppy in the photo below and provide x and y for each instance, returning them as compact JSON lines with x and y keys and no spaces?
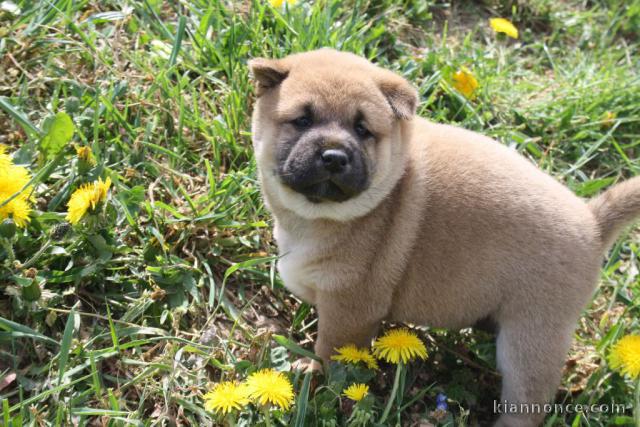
{"x":381,"y":215}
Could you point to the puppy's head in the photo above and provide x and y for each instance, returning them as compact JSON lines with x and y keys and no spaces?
{"x":327,"y":132}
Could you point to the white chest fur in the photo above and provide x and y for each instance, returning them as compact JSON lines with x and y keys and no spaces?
{"x":296,"y":267}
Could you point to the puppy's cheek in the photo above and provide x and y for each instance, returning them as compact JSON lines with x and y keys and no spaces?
{"x":370,"y":158}
{"x":264,"y":136}
{"x":285,"y":139}
{"x":385,"y":161}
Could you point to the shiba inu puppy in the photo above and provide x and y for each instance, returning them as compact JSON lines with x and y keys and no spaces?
{"x":382,"y":215}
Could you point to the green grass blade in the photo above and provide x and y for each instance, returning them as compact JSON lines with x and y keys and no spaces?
{"x":5,"y":412}
{"x":19,"y":117}
{"x":177,"y":42}
{"x":293,"y":347}
{"x":26,"y":403}
{"x":65,"y":345}
{"x":302,"y":402}
{"x":18,"y":330}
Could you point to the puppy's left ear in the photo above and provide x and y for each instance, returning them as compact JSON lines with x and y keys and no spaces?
{"x":268,"y":73}
{"x":401,"y":95}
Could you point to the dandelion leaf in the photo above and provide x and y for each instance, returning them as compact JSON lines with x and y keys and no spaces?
{"x":58,"y":132}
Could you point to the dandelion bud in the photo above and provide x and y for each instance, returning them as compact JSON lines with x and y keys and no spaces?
{"x":7,"y":228}
{"x":60,"y":230}
{"x":72,"y":104}
{"x":86,"y":160}
{"x":31,"y":291}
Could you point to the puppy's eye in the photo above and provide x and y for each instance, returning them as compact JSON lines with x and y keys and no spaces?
{"x":361,"y":130}
{"x":302,"y":122}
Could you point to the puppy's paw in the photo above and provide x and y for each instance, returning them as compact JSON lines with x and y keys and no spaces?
{"x":307,"y":365}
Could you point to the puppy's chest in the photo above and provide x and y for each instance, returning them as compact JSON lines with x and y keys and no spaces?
{"x":302,"y":265}
{"x":295,"y":270}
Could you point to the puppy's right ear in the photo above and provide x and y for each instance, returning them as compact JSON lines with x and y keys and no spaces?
{"x":268,"y":73}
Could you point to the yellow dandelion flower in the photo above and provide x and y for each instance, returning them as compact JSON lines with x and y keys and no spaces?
{"x":352,"y":354}
{"x":356,"y":392}
{"x":102,"y":188}
{"x":625,"y":356}
{"x":79,"y":203}
{"x":269,"y":386}
{"x":5,"y":159}
{"x":608,"y":119}
{"x":13,"y":178}
{"x":399,"y":345}
{"x":225,"y":397}
{"x":18,"y":209}
{"x":85,"y":154}
{"x":501,"y":25}
{"x":279,"y":3}
{"x":87,"y":197}
{"x":465,"y":82}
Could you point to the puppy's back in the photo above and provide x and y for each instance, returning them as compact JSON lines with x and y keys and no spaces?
{"x":492,"y":227}
{"x":472,"y":176}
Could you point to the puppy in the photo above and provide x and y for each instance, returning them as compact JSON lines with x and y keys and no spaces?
{"x":382,"y":215}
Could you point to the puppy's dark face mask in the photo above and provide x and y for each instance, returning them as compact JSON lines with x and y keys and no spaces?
{"x":326,"y":131}
{"x":324,"y":156}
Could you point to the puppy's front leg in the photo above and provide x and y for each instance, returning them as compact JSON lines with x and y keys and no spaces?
{"x":345,"y":318}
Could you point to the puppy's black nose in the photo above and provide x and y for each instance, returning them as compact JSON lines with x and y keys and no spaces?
{"x":334,"y":160}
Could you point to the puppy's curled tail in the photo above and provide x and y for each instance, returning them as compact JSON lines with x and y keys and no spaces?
{"x":616,"y":208}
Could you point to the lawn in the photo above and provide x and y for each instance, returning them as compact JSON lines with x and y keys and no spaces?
{"x":167,"y":284}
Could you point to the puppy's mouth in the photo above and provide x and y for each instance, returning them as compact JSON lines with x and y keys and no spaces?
{"x":324,"y":189}
{"x":328,"y":190}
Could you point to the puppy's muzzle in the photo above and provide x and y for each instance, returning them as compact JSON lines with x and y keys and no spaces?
{"x":334,"y":173}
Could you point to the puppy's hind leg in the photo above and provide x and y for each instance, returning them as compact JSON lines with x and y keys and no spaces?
{"x":530,"y":356}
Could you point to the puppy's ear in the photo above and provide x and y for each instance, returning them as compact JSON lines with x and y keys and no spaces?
{"x":402,"y":97}
{"x":268,"y":73}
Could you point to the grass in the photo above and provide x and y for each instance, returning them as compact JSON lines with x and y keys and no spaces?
{"x":130,"y":317}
